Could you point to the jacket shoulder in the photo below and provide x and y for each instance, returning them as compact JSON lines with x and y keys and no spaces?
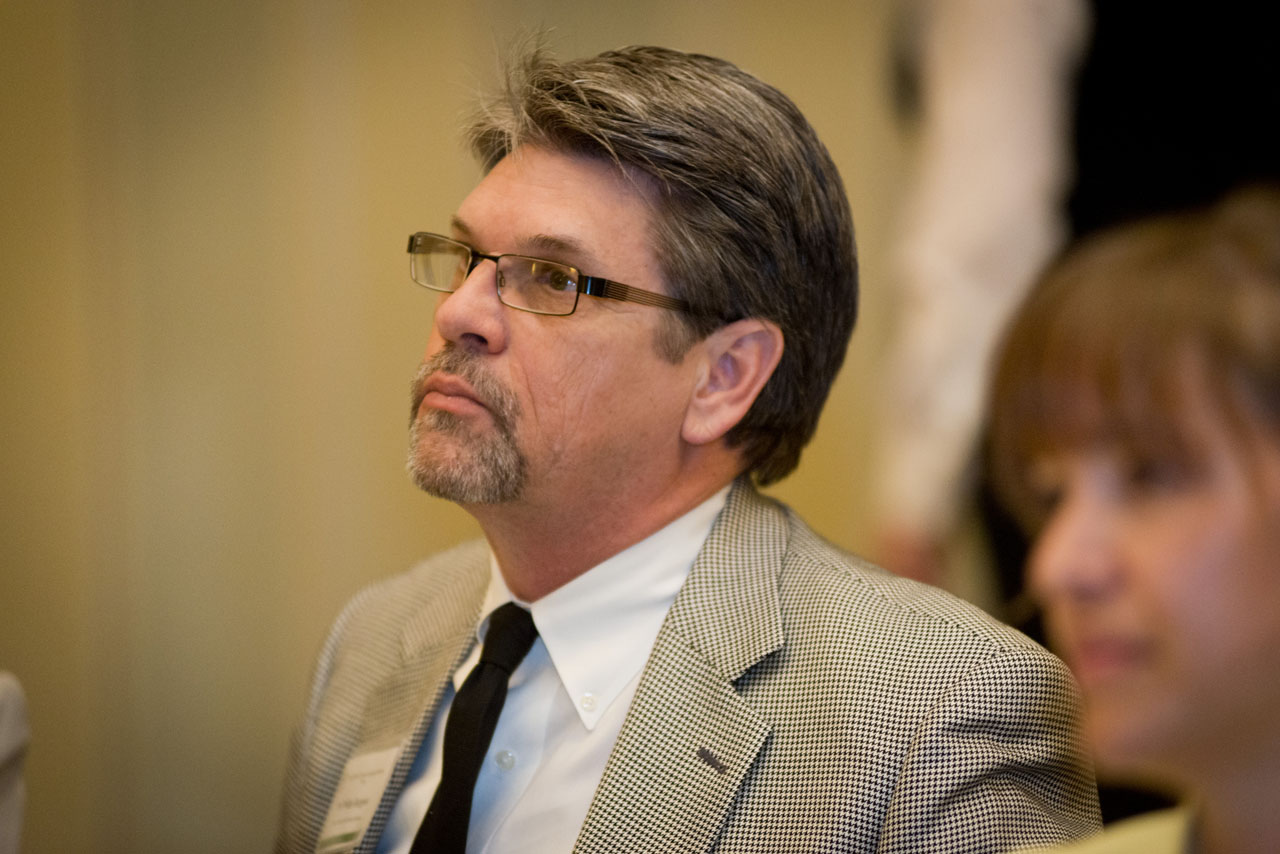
{"x":861,"y":595}
{"x":406,"y":628}
{"x":453,"y":573}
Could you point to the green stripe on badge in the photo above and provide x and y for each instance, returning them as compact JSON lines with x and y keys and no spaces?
{"x":337,"y":840}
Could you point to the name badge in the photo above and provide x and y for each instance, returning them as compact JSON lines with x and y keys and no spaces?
{"x":364,"y":779}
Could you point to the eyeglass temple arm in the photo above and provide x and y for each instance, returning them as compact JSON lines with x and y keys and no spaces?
{"x":598,"y":287}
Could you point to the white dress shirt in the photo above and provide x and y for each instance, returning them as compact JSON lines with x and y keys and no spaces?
{"x":565,"y":702}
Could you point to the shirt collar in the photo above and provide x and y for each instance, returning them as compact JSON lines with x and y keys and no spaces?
{"x":599,"y":628}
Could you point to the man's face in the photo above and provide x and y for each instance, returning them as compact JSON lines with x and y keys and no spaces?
{"x":513,"y":406}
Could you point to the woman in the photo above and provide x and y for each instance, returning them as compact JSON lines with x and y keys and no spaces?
{"x":1136,"y":426}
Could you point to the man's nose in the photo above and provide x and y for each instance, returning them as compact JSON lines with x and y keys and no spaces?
{"x":473,"y":316}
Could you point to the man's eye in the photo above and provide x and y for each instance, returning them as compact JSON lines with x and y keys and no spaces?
{"x":553,"y":277}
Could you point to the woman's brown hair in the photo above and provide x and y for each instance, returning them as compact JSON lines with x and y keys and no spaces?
{"x":1099,"y":351}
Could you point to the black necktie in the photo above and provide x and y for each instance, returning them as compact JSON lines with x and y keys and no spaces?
{"x":470,"y":727}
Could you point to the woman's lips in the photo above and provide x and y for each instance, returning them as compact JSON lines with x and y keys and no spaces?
{"x":1103,"y":659}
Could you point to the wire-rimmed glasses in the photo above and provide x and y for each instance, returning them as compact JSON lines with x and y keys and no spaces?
{"x":528,"y":284}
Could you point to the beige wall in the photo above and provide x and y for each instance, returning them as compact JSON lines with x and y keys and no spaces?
{"x":207,"y":333}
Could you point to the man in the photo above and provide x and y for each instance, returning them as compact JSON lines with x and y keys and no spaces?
{"x":648,"y":297}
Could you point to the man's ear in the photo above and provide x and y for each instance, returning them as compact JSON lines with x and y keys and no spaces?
{"x":738,"y":360}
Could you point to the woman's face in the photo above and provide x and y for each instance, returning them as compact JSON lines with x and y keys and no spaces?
{"x":1160,"y":582}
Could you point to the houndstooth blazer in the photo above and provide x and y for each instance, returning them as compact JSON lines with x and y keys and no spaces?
{"x":796,"y":699}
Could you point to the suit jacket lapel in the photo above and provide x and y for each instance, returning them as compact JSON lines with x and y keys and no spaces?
{"x":434,"y":642}
{"x":689,"y":740}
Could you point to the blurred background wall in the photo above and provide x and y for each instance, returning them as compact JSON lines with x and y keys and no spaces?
{"x":206,"y":336}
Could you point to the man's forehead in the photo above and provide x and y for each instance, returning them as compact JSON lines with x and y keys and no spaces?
{"x":582,"y":177}
{"x":564,"y":206}
{"x":551,"y":243}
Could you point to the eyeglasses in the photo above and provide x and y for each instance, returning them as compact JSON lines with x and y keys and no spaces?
{"x":529,"y":284}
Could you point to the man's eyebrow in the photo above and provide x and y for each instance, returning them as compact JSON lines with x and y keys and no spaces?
{"x":563,"y":249}
{"x":459,"y":227}
{"x":558,"y":245}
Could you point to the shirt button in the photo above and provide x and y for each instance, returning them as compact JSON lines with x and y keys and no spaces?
{"x":588,"y":702}
{"x":506,"y":759}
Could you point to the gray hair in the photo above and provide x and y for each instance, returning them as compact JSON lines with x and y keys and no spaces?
{"x":752,"y":219}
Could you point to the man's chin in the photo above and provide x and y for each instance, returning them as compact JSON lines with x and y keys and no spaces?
{"x":479,"y":471}
{"x":463,"y":487}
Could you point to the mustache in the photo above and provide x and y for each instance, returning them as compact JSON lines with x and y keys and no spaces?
{"x":491,"y":393}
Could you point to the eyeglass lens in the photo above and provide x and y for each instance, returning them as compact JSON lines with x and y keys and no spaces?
{"x":531,"y":284}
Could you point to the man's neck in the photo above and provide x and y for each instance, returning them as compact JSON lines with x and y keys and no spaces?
{"x":542,"y":546}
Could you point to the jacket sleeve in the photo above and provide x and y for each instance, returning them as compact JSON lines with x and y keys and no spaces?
{"x":997,"y":763}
